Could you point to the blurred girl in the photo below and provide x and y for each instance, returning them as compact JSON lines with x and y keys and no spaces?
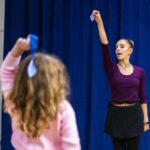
{"x":42,"y":118}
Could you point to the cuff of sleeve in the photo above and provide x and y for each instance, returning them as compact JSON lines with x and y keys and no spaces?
{"x":105,"y":46}
{"x":143,"y":102}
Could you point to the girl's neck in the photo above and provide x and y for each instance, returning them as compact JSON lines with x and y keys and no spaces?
{"x":124,"y":64}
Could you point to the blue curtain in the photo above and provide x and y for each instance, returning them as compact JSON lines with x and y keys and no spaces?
{"x":65,"y":30}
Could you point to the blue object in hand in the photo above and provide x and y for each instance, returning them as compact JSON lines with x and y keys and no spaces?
{"x":33,"y":43}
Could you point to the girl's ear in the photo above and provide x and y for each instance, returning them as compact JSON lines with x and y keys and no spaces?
{"x":131,"y":51}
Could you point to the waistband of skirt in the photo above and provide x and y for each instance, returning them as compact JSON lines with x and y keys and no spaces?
{"x":123,"y":104}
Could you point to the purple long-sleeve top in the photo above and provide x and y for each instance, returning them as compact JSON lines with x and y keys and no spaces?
{"x":124,"y":88}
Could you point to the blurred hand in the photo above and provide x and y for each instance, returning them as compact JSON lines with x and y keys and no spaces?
{"x":146,"y":127}
{"x":21,"y":45}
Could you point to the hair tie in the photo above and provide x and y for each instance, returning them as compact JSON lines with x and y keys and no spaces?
{"x":31,"y":69}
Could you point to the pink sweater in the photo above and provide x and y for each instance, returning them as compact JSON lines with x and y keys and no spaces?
{"x":63,"y":134}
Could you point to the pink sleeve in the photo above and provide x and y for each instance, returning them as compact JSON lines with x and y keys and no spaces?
{"x":69,"y":131}
{"x":7,"y":71}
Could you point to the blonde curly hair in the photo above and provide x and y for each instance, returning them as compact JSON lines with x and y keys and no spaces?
{"x":36,"y":99}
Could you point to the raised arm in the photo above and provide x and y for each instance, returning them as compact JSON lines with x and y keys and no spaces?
{"x":101,"y":29}
{"x":107,"y":61}
{"x":10,"y":65}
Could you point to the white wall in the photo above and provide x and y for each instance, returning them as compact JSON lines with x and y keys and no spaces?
{"x":2,"y":8}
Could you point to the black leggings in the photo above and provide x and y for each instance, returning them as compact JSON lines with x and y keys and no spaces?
{"x":126,"y":144}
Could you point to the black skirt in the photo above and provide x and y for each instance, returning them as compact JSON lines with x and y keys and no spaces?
{"x":124,"y":122}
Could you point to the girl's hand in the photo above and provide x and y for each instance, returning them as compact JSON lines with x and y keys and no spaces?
{"x":22,"y":44}
{"x":97,"y":16}
{"x":146,"y":127}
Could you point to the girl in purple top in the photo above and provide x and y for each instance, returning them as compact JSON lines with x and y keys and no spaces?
{"x":127,"y":115}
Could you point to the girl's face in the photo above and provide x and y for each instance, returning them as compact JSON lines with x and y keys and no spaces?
{"x":123,"y":49}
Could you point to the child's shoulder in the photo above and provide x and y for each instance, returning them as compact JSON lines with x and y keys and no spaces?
{"x":65,"y":107}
